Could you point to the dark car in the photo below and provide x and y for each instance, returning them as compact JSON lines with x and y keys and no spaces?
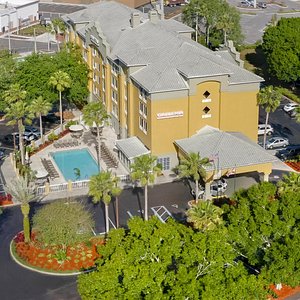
{"x":262,"y":4}
{"x":289,"y":153}
{"x":14,"y":138}
{"x":51,"y":118}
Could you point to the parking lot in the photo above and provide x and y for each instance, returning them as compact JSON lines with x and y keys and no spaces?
{"x":284,"y":126}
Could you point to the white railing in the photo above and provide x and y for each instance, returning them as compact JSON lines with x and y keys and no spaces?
{"x":58,"y":187}
{"x":80,"y":184}
{"x":70,"y":186}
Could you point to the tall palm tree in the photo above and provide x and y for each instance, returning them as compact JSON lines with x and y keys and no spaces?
{"x":144,"y":169}
{"x":40,"y":107}
{"x":95,"y":113}
{"x":205,"y":216}
{"x":59,"y":28}
{"x":102,"y":187}
{"x":16,"y":111}
{"x":60,"y":81}
{"x":289,"y":182}
{"x":193,"y":166}
{"x":269,"y":98}
{"x":23,"y":192}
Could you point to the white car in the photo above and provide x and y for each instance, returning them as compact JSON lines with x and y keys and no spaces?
{"x":290,"y":106}
{"x":277,"y":142}
{"x":261,"y":129}
{"x":217,"y":188}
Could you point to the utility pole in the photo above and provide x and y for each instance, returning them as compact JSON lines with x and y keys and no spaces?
{"x":197,"y":28}
{"x":35,"y":50}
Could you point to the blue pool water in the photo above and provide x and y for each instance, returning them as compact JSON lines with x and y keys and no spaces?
{"x":70,"y":160}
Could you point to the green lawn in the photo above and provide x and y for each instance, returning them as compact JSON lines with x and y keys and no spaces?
{"x":29,"y":31}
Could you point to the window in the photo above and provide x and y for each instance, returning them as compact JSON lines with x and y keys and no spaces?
{"x":114,"y":96}
{"x":114,"y":68}
{"x":164,"y":162}
{"x":115,"y":109}
{"x":103,"y":72}
{"x":142,"y":94}
{"x":95,"y":77}
{"x":143,"y":124}
{"x":94,"y":65}
{"x":206,"y":109}
{"x":206,"y":94}
{"x":84,"y":55}
{"x":143,"y":109}
{"x":94,"y":52}
{"x":114,"y":82}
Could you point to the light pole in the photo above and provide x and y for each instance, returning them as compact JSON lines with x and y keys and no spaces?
{"x":8,"y":26}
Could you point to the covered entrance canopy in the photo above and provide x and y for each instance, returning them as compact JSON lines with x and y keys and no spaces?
{"x":129,"y":149}
{"x":229,"y":153}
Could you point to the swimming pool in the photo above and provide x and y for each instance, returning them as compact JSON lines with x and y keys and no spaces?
{"x":76,"y":164}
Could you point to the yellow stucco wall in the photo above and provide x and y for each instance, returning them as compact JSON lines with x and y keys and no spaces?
{"x":239,"y":113}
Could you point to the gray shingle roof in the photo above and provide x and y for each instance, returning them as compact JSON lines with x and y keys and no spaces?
{"x":167,"y":57}
{"x":132,"y":147}
{"x":214,"y":143}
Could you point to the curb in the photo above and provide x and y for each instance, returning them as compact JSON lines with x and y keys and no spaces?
{"x":40,"y":271}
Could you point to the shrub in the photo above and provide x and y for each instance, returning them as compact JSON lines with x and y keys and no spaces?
{"x":72,"y":122}
{"x":52,"y":137}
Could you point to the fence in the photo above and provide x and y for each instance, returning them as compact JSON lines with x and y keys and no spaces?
{"x":71,"y":185}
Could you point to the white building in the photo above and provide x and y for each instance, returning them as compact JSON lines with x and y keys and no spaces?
{"x":15,"y":14}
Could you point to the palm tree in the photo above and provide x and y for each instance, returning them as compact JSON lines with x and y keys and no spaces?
{"x":204,"y":216}
{"x":95,"y":113}
{"x":102,"y":187}
{"x":16,"y":111}
{"x":144,"y":169}
{"x":40,"y":107}
{"x":59,"y":28}
{"x":23,"y":192}
{"x":269,"y":97}
{"x":60,"y":81}
{"x":193,"y":166}
{"x":289,"y":182}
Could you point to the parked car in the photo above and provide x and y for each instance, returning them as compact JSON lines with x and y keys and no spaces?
{"x":51,"y":118}
{"x":277,"y":142}
{"x":290,"y":106}
{"x":289,"y":152}
{"x":32,"y":130}
{"x":293,"y":113}
{"x":262,"y":5}
{"x":218,"y":187}
{"x":9,"y":138}
{"x":261,"y":129}
{"x":2,"y":153}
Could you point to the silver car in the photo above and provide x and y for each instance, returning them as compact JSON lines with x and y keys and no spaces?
{"x":277,"y":142}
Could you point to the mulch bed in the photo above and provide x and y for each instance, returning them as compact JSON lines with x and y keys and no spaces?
{"x":79,"y":257}
{"x":285,"y":292}
{"x":6,"y":200}
{"x":294,"y":165}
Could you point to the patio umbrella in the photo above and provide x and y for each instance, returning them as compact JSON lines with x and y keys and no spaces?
{"x":76,"y":128}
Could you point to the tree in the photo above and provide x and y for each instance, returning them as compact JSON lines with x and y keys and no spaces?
{"x":212,"y":14}
{"x":60,"y":81}
{"x":205,"y":216}
{"x":59,"y":28}
{"x":155,"y":260}
{"x":281,"y":45}
{"x":16,"y":110}
{"x":269,"y":98}
{"x":102,"y":187}
{"x":63,"y":223}
{"x":7,"y":74}
{"x":95,"y":113}
{"x":289,"y":182}
{"x":23,"y":192}
{"x":144,"y":169}
{"x":193,"y":166}
{"x":40,"y":107}
{"x":33,"y":75}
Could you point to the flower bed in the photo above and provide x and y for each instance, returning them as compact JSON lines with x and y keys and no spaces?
{"x":6,"y":200}
{"x":294,"y":165}
{"x":52,"y":258}
{"x":285,"y":292}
